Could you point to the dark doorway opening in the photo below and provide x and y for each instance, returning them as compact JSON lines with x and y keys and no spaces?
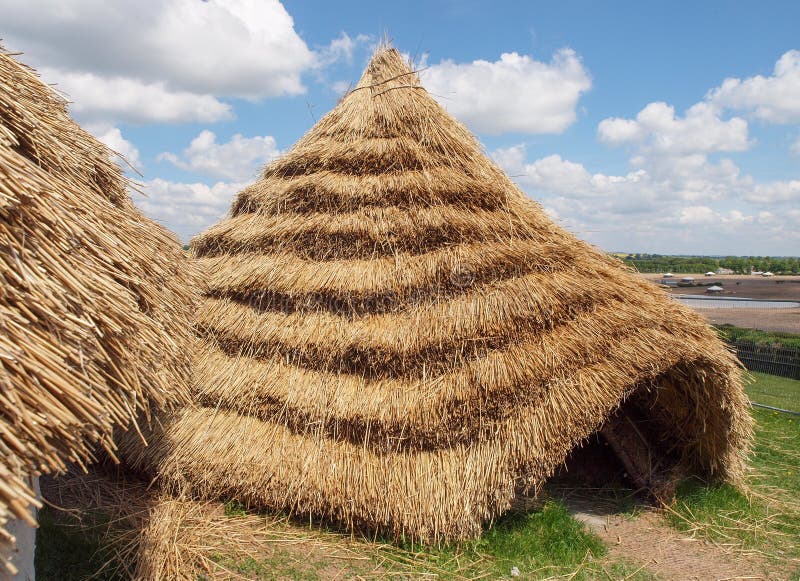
{"x":634,"y":454}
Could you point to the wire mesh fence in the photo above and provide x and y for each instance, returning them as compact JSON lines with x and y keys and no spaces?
{"x":765,"y":333}
{"x":775,"y":360}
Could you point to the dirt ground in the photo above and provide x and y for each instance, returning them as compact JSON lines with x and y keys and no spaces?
{"x":781,"y":320}
{"x":751,"y":287}
{"x":645,"y":539}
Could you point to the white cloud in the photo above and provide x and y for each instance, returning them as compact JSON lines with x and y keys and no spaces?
{"x":775,"y":193}
{"x":705,"y":216}
{"x":667,"y":204}
{"x":97,"y":99}
{"x":697,"y":215}
{"x":247,"y":48}
{"x":113,"y":138}
{"x":167,"y":60}
{"x":341,"y":87}
{"x":514,"y":94}
{"x":671,"y":174}
{"x":687,"y":190}
{"x":689,"y":178}
{"x":341,"y":48}
{"x":775,"y":99}
{"x":658,"y":130}
{"x":238,"y":160}
{"x":187,"y":208}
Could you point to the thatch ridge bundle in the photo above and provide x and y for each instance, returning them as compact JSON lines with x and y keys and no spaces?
{"x":94,"y":304}
{"x":393,"y":335}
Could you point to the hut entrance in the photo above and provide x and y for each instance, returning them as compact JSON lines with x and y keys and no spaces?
{"x":634,"y":449}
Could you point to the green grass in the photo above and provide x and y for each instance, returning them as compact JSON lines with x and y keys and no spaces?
{"x":760,"y":338}
{"x":540,"y":544}
{"x":768,"y":519}
{"x":281,"y":565}
{"x":67,"y":552}
{"x":774,"y":391}
{"x":530,"y":541}
{"x":234,"y":508}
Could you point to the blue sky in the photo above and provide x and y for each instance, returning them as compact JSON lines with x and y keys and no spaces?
{"x":670,"y":127}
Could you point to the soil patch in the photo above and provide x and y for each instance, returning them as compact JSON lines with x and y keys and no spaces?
{"x":642,"y":537}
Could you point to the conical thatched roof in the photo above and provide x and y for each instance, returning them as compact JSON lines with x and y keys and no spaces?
{"x":94,"y":305}
{"x":393,"y":335}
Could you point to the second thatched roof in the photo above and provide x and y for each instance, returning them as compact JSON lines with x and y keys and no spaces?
{"x":394,"y":336}
{"x":95,"y":298}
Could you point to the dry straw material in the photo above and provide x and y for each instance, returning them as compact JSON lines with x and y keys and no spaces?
{"x":94,"y":302}
{"x":393,"y":336}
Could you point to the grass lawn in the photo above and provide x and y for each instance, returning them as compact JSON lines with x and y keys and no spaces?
{"x":64,"y":552}
{"x":775,"y":391}
{"x":766,"y":519}
{"x":542,"y":543}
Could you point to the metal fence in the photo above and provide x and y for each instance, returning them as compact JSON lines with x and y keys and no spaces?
{"x":775,"y":360}
{"x":766,"y":336}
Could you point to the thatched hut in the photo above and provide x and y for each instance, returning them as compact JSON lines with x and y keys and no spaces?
{"x":93,"y":306}
{"x":394,"y":336}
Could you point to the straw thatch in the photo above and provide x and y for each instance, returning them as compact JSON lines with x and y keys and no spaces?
{"x":394,"y":336}
{"x":144,"y":534}
{"x":94,"y":305}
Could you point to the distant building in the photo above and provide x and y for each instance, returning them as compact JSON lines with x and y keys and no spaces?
{"x":721,"y":270}
{"x":714,"y":289}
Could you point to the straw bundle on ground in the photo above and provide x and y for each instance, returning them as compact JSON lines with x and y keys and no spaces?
{"x":94,"y":305}
{"x":394,"y":336}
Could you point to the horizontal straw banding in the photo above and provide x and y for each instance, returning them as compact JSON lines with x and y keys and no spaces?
{"x":392,"y":335}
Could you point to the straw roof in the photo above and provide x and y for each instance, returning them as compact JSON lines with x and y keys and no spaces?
{"x":392,"y":335}
{"x":94,"y":305}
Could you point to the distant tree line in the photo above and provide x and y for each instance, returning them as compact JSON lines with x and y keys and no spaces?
{"x":738,"y":264}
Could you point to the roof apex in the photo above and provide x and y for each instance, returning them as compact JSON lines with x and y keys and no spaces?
{"x":387,"y":64}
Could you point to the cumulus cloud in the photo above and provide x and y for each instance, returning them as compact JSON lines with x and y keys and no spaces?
{"x":679,"y":204}
{"x":675,"y":170}
{"x":341,"y":48}
{"x":690,"y":178}
{"x":97,"y":99}
{"x":172,"y":59}
{"x":705,"y":216}
{"x":656,"y":128}
{"x":697,"y":215}
{"x":113,"y":138}
{"x":247,"y":48}
{"x":775,"y":99}
{"x":187,"y":208}
{"x":238,"y":159}
{"x":514,"y":94}
{"x":775,"y":193}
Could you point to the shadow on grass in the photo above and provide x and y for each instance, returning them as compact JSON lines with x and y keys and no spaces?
{"x":68,"y":552}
